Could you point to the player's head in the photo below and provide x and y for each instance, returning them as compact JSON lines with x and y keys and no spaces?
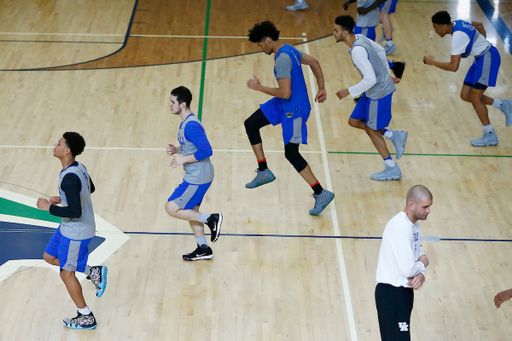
{"x":71,"y":143}
{"x":181,"y":97}
{"x":441,"y":21}
{"x":343,"y":26}
{"x":418,"y":202}
{"x":264,"y":34}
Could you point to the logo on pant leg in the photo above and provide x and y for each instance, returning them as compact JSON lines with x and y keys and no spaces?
{"x":404,"y":327}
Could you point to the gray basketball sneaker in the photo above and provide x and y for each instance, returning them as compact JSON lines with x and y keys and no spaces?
{"x":263,"y":177}
{"x":389,"y":173}
{"x":390,"y":49}
{"x":399,"y":140}
{"x":297,"y":6}
{"x":487,"y":139}
{"x":506,"y":108}
{"x":321,"y":201}
{"x":383,"y":36}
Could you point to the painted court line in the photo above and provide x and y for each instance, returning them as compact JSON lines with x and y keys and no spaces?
{"x":216,"y":37}
{"x":339,"y":247}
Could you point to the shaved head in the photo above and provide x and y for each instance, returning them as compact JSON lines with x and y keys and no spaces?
{"x":417,"y":193}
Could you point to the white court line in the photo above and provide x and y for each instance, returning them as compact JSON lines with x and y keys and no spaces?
{"x":184,"y":36}
{"x":339,"y":247}
{"x":159,"y":149}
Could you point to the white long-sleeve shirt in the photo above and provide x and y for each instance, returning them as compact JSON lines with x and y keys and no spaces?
{"x":361,"y":61}
{"x":399,"y":252}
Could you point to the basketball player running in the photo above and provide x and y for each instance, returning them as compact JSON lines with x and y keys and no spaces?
{"x":67,"y":248}
{"x":469,"y":39}
{"x":289,"y":107}
{"x":401,"y":266}
{"x":372,"y":112}
{"x":195,"y":155}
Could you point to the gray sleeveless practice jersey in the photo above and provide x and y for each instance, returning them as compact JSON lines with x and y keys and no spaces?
{"x":200,"y":172}
{"x":83,"y":227}
{"x":384,"y":85}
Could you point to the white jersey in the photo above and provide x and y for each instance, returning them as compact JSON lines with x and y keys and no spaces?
{"x":399,"y":252}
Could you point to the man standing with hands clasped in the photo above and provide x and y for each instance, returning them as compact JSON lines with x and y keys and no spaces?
{"x":402,"y":266}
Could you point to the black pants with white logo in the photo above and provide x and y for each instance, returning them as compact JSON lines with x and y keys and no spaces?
{"x":394,"y":307}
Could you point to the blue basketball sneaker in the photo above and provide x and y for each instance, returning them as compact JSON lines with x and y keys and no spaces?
{"x":506,"y":108}
{"x":399,"y":140}
{"x":389,"y":173}
{"x":98,"y":277}
{"x":263,"y":177}
{"x":487,"y":139}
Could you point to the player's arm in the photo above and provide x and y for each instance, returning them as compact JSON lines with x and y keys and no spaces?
{"x":195,"y":134}
{"x":452,"y":65}
{"x":479,"y":27}
{"x":283,"y":91}
{"x":346,"y":4}
{"x":401,"y":244}
{"x":314,"y":64}
{"x":363,"y":10}
{"x":502,"y":297}
{"x":172,"y":149}
{"x":72,"y":186}
{"x":360,"y":59}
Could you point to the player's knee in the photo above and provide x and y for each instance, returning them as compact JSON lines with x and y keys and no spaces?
{"x":171,"y":208}
{"x":253,"y":133}
{"x":49,"y":259}
{"x":291,"y":152}
{"x":353,"y":123}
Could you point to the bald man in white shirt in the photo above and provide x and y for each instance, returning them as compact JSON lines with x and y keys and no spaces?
{"x":402,"y":266}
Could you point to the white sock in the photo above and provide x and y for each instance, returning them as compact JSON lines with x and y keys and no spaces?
{"x":389,"y":42}
{"x":389,"y":162}
{"x":488,"y":129}
{"x":203,"y":217}
{"x":388,"y":133}
{"x":84,"y":311}
{"x":201,"y":241}
{"x":497,"y":103}
{"x":87,"y":270}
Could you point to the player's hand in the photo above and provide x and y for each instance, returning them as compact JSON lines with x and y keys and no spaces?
{"x":502,"y":297}
{"x":177,"y":160}
{"x":417,"y":282}
{"x":342,"y":93}
{"x":424,"y":260}
{"x":428,"y":60}
{"x":253,"y":83}
{"x":54,"y":200}
{"x":171,"y":149}
{"x":346,"y":4}
{"x":396,"y":79}
{"x":321,"y":96}
{"x":43,"y":204}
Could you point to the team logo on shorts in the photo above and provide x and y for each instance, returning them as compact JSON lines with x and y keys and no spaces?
{"x":26,"y":230}
{"x":404,"y":327}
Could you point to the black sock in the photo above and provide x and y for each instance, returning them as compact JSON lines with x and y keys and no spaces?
{"x":262,"y":165}
{"x":317,"y":188}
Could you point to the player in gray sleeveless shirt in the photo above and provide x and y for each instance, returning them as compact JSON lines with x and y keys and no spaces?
{"x":195,"y":155}
{"x":68,"y":247}
{"x":373,"y":111}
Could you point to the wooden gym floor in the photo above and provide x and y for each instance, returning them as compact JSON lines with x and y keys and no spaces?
{"x":105,"y":69}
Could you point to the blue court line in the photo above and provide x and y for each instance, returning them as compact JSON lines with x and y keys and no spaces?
{"x":498,"y":23}
{"x":308,"y":236}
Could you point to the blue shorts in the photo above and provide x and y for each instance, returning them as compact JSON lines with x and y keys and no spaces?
{"x":368,"y":32}
{"x":389,"y":7}
{"x":376,"y":113}
{"x":72,"y":254}
{"x":187,"y":196}
{"x":484,"y":71}
{"x":294,"y":125}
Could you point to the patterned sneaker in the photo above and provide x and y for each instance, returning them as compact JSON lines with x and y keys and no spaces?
{"x":399,"y":140}
{"x":506,"y":108}
{"x":389,"y":173}
{"x":390,"y":49}
{"x":263,"y":177}
{"x":297,"y":6}
{"x":321,"y":201}
{"x":201,"y":252}
{"x":487,"y":139}
{"x":214,"y":222}
{"x":81,"y":322}
{"x":98,"y":277}
{"x":398,"y":69}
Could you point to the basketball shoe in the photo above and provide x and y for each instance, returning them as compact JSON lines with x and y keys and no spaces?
{"x":389,"y":173}
{"x":263,"y":177}
{"x":81,"y":321}
{"x":201,"y":252}
{"x":214,"y":222}
{"x":487,"y":139}
{"x":98,"y":277}
{"x":321,"y":201}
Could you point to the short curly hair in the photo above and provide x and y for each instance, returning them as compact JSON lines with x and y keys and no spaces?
{"x":75,"y":142}
{"x":346,"y":22}
{"x":441,"y":18}
{"x":262,"y":30}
